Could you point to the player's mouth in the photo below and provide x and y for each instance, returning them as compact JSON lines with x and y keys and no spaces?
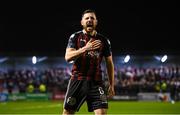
{"x":89,"y":24}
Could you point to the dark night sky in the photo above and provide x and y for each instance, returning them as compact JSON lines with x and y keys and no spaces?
{"x":134,"y":27}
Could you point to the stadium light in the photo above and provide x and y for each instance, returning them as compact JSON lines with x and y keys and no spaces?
{"x":161,"y":58}
{"x":3,"y":59}
{"x":126,"y":59}
{"x":157,"y":58}
{"x":34,"y":60}
{"x":41,"y":59}
{"x":164,"y":58}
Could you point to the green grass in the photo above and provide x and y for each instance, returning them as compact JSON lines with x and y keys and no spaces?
{"x":115,"y":107}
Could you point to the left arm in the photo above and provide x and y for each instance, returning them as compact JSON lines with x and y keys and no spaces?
{"x":110,"y":71}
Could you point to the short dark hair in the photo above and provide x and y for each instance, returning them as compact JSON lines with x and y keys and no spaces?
{"x":88,"y":11}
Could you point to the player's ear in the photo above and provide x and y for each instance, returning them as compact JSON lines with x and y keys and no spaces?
{"x":96,"y":22}
{"x":81,"y":23}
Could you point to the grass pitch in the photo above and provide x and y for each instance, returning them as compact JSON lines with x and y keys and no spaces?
{"x":115,"y":107}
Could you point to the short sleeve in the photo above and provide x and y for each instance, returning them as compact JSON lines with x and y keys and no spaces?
{"x":107,"y":48}
{"x":71,"y":42}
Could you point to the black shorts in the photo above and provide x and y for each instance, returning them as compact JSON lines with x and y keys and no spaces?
{"x":79,"y":91}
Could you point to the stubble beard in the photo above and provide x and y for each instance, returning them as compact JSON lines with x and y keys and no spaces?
{"x":89,"y":30}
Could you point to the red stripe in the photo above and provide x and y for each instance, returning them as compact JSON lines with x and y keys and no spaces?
{"x":83,"y":61}
{"x":92,"y":67}
{"x":98,"y":75}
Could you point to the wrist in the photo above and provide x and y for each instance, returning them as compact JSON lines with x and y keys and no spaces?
{"x":83,"y":49}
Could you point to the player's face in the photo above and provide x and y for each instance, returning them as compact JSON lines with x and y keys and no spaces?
{"x":89,"y":22}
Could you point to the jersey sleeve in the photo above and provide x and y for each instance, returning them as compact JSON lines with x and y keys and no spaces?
{"x":107,"y":48}
{"x":72,"y":41}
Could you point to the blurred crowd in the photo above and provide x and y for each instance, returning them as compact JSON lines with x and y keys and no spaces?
{"x":128,"y":80}
{"x":32,"y":80}
{"x":131,"y":80}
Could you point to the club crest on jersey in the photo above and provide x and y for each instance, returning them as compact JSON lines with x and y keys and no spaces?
{"x":82,"y":42}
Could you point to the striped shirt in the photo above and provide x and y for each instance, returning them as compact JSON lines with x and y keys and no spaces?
{"x":88,"y":65}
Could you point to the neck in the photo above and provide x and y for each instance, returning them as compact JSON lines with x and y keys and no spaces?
{"x":93,"y":33}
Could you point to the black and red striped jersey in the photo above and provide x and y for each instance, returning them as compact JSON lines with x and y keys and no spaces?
{"x":88,"y":65}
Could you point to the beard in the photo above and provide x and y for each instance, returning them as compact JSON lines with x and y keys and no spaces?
{"x":89,"y":28}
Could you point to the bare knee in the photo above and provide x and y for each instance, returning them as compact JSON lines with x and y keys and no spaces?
{"x":100,"y":111}
{"x":68,"y":112}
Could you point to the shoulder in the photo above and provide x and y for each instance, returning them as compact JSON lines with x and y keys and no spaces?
{"x":75,"y":34}
{"x":103,"y":38}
